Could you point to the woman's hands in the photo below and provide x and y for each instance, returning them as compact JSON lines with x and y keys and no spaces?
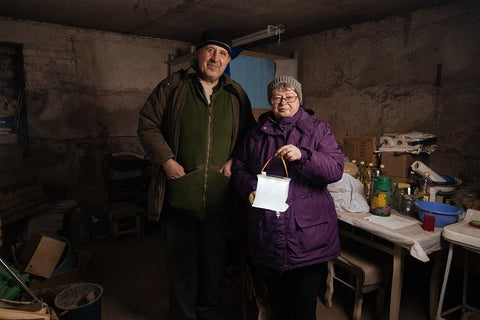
{"x":251,"y":197}
{"x":289,"y":152}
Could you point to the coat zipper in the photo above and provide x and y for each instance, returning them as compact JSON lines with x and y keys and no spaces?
{"x":209,"y":141}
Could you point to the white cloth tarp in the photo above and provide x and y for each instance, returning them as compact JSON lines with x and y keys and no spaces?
{"x":412,"y":237}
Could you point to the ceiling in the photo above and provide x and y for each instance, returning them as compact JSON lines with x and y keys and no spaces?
{"x":184,"y":20}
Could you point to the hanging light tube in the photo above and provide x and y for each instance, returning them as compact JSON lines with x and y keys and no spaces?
{"x":270,"y":31}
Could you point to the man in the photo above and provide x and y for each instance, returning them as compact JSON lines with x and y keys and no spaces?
{"x":190,"y":127}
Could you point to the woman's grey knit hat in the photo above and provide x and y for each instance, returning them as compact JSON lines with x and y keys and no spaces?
{"x":288,"y":80}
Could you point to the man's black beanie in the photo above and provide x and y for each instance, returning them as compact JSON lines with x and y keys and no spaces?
{"x":216,"y":37}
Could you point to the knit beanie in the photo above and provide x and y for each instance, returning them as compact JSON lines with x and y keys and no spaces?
{"x":287,"y":80}
{"x":216,"y":37}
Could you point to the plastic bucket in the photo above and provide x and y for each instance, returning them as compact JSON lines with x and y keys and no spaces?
{"x":80,"y":302}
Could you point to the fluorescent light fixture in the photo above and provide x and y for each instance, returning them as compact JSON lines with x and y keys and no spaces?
{"x":270,"y":31}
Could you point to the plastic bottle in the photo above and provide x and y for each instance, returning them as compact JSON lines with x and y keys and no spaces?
{"x":413,"y":182}
{"x":361,"y":172}
{"x":355,"y":163}
{"x":432,"y":190}
{"x":377,"y":172}
{"x":367,"y":182}
{"x":382,"y":169}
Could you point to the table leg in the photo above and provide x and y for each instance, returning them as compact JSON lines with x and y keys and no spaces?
{"x":445,"y":281}
{"x":437,"y":261}
{"x":397,"y":282}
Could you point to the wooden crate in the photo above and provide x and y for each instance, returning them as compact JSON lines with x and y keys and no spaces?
{"x":21,"y":201}
{"x":361,"y":148}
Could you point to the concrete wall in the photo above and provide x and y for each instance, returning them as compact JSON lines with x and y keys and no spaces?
{"x":380,"y":76}
{"x":84,"y":89}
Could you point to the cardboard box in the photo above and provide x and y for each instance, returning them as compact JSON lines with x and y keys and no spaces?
{"x":398,"y":165}
{"x":360,"y":149}
{"x":41,"y":254}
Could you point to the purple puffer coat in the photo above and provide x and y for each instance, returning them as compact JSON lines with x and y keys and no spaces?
{"x":307,"y":233}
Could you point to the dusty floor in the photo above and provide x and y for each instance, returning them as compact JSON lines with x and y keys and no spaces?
{"x":132,"y":272}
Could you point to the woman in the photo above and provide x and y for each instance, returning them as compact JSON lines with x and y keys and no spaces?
{"x":290,"y":249}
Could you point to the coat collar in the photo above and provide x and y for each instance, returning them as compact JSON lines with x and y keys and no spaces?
{"x":303,"y":120}
{"x":224,"y":80}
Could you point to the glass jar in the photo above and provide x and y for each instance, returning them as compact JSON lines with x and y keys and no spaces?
{"x":408,"y":205}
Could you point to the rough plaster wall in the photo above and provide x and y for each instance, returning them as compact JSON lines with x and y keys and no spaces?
{"x":379,"y":77}
{"x":84,"y":91}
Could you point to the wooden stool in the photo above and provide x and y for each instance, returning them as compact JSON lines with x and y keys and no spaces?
{"x":125,"y":217}
{"x":366,"y":273}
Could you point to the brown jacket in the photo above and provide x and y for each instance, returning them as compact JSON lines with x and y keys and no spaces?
{"x":159,"y":126}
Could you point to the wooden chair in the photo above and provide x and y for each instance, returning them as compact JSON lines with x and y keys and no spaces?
{"x":125,"y":217}
{"x":127,"y":179}
{"x":362,"y":272}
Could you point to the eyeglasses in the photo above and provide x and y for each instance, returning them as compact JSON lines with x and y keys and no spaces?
{"x":288,"y":99}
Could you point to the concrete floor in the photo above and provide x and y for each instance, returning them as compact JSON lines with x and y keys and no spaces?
{"x":132,"y":272}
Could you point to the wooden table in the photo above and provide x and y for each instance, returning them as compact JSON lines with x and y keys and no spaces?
{"x":400,"y":235}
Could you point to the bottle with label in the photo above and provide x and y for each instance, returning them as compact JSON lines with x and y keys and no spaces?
{"x":381,"y":169}
{"x":413,"y":182}
{"x":432,"y":190}
{"x":367,"y":181}
{"x":377,"y":172}
{"x":361,"y":172}
{"x":422,"y":192}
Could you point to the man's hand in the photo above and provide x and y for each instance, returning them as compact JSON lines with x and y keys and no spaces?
{"x":226,"y":168}
{"x":173,"y":169}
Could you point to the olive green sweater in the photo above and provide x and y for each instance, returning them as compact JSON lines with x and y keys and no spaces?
{"x":204,"y":146}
